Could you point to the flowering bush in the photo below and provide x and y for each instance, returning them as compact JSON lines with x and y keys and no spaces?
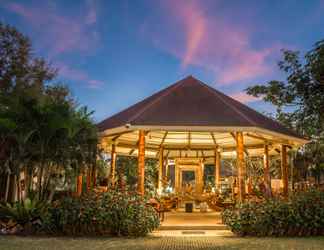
{"x":301,"y":215}
{"x":110,"y":213}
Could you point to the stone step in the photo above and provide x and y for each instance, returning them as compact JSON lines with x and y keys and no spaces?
{"x":192,"y":233}
{"x":193,"y":227}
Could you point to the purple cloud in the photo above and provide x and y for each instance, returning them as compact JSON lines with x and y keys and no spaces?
{"x":244,"y":98}
{"x":210,"y":42}
{"x":60,"y":33}
{"x":78,"y":75}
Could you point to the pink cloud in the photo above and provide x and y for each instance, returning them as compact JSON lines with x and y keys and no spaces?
{"x":59,"y":33}
{"x":244,"y":98}
{"x":91,"y":17}
{"x":210,"y":42}
{"x":78,"y":75}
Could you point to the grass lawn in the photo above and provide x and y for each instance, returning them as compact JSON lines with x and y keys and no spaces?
{"x":14,"y":242}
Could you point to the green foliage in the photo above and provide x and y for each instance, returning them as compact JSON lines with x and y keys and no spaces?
{"x":300,"y":101}
{"x":28,"y":214}
{"x":110,"y":213}
{"x":42,"y":130}
{"x":302,"y":215}
{"x":127,"y":166}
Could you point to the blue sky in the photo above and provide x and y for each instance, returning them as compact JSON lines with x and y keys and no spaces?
{"x":115,"y":53}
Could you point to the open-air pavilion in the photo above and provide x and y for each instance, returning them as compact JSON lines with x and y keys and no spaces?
{"x":190,"y":124}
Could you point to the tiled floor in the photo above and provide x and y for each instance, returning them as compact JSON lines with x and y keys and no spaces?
{"x":195,"y":218}
{"x":161,"y":243}
{"x":180,"y":220}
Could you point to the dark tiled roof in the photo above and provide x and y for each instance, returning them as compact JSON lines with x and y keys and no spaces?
{"x":190,"y":102}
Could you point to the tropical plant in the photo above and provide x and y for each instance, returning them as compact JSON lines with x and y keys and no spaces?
{"x":109,"y":213}
{"x":127,"y":166}
{"x":43,"y":132}
{"x":301,"y":215}
{"x":27,"y":214}
{"x":299,"y":102}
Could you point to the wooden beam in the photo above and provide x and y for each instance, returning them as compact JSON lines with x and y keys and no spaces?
{"x":184,"y":148}
{"x":284,"y":170}
{"x":162,"y":142}
{"x":240,"y":166}
{"x":189,"y":140}
{"x":214,"y":139}
{"x":234,"y":136}
{"x":259,"y":138}
{"x":117,"y":134}
{"x":141,"y":162}
{"x":266,"y":170}
{"x":113,"y":164}
{"x":115,"y":138}
{"x":217,"y":168}
{"x":131,"y":151}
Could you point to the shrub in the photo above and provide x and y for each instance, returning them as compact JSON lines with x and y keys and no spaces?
{"x":110,"y":213}
{"x":301,"y":215}
{"x":26,"y":215}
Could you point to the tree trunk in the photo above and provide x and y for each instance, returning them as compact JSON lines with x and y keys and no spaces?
{"x":47,"y":182}
{"x":284,"y":170}
{"x":7,"y":188}
{"x":39,"y":181}
{"x":18,"y":187}
{"x":94,"y":175}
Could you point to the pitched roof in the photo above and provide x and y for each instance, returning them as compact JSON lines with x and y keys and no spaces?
{"x":190,"y":102}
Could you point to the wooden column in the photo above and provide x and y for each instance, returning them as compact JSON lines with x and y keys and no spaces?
{"x":176,"y":177}
{"x":266,"y":170}
{"x":79,"y":185}
{"x":160,"y":178}
{"x":113,"y":164}
{"x":284,"y":169}
{"x":141,"y":163}
{"x":240,"y":166}
{"x":217,"y":168}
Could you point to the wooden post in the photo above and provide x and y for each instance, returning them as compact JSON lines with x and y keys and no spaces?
{"x":79,"y":184}
{"x":240,"y":166}
{"x":141,"y":163}
{"x":176,"y":177}
{"x":160,"y":178}
{"x":266,"y":165}
{"x":284,"y":170}
{"x":217,"y":168}
{"x":113,"y":164}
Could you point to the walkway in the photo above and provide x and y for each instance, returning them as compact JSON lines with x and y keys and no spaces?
{"x":181,"y":220}
{"x":160,"y":243}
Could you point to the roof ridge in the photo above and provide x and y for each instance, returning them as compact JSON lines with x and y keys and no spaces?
{"x":220,"y":96}
{"x":153,"y":102}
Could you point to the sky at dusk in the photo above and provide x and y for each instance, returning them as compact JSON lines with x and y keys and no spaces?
{"x":115,"y":53}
